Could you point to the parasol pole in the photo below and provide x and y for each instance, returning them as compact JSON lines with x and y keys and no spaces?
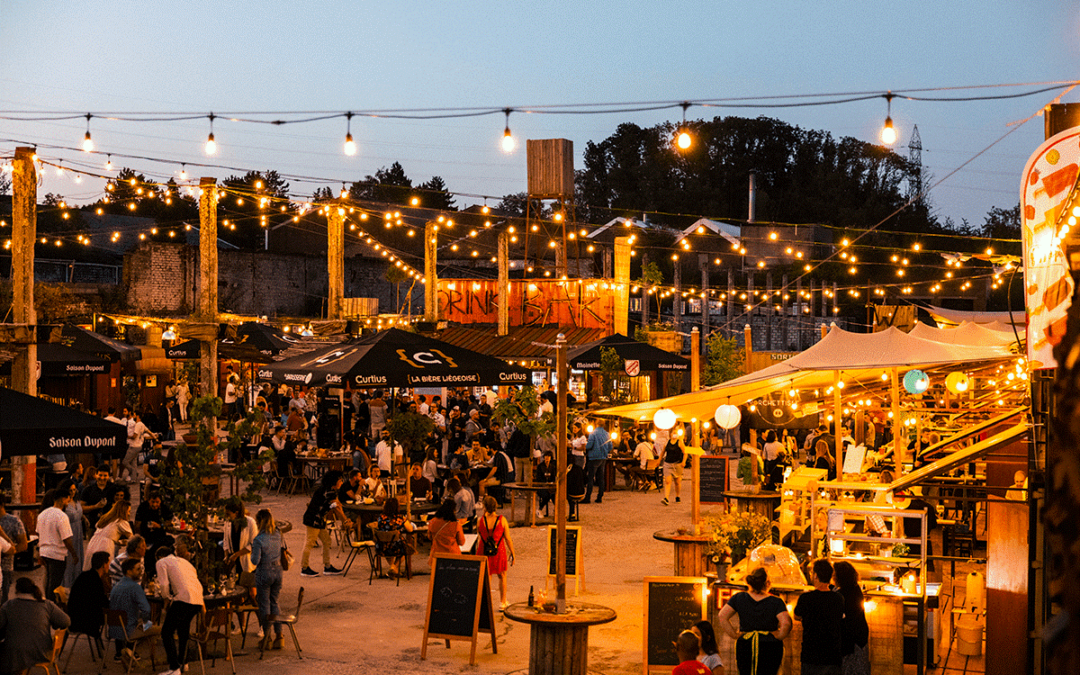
{"x":897,"y":425}
{"x":560,"y":480}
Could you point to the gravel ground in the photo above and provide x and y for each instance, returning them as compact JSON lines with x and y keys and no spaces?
{"x":349,"y":626}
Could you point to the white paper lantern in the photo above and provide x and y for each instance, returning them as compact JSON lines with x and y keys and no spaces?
{"x":727,"y":416}
{"x":664,"y":418}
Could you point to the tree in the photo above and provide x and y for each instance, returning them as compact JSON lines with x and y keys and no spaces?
{"x":389,"y":184}
{"x":613,"y":375}
{"x":724,"y":361}
{"x":251,"y":206}
{"x":650,"y":278}
{"x":5,"y":183}
{"x":514,"y":206}
{"x":435,"y":195}
{"x":411,"y":430}
{"x":1002,"y":223}
{"x":523,"y":411}
{"x":396,"y":276}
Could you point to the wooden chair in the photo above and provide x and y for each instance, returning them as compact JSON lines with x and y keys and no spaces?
{"x":645,"y":478}
{"x":354,"y":549}
{"x":289,"y":621}
{"x":214,"y":627}
{"x":118,"y":618}
{"x":243,"y":616}
{"x":53,"y":663}
{"x":387,"y":538}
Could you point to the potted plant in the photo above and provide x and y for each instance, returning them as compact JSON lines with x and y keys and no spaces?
{"x":732,"y":535}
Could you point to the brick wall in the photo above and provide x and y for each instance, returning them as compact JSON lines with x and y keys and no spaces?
{"x":161,"y":278}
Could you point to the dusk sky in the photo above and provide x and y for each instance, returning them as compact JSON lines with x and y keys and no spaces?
{"x":201,"y":57}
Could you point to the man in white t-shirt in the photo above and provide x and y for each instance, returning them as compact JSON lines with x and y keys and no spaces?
{"x":54,"y":541}
{"x":644,"y":451}
{"x":137,"y":433}
{"x":183,"y":595}
{"x":230,"y":396}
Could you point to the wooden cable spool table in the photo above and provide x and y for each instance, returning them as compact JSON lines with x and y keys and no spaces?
{"x":559,"y":643}
{"x":689,"y":551}
{"x":763,"y":503}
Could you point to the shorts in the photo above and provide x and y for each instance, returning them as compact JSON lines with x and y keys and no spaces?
{"x":673,"y":470}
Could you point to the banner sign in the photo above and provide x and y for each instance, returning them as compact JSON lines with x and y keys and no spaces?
{"x":588,"y":303}
{"x":1047,"y":197}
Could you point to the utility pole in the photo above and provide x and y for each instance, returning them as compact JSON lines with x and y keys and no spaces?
{"x":208,"y":283}
{"x":335,"y":261}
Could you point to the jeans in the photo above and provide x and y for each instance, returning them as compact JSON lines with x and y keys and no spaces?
{"x":131,"y":463}
{"x":594,"y":468}
{"x":316,"y":534}
{"x":177,"y":626}
{"x":267,"y":590}
{"x":54,"y":576}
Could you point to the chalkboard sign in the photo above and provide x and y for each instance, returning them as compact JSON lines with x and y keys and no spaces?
{"x":459,"y":601}
{"x":575,"y":565}
{"x":672,"y":604}
{"x":713,"y":481}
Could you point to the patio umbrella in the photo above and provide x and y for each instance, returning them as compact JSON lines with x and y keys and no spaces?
{"x":57,"y":359}
{"x":394,"y":358}
{"x":88,"y":341}
{"x":34,"y":426}
{"x":266,"y":339}
{"x":636,"y":356}
{"x":189,"y":350}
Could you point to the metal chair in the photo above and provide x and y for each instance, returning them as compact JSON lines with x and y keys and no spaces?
{"x":91,"y":640}
{"x":289,"y":621}
{"x":213,"y":627}
{"x":58,"y":646}
{"x":354,"y":548}
{"x":385,"y":538}
{"x":118,"y":618}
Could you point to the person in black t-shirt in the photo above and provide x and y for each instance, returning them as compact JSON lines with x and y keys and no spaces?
{"x":821,"y":612}
{"x":324,"y":505}
{"x":764,"y":623}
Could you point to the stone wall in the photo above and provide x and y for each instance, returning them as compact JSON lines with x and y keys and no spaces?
{"x":162,"y":278}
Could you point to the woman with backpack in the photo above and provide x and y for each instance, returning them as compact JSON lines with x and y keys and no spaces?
{"x":495,"y":543}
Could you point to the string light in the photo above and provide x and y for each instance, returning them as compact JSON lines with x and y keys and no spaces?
{"x":888,"y":132}
{"x":508,"y":142}
{"x":683,"y":140}
{"x":88,"y":143}
{"x":211,"y":144}
{"x":350,"y":145}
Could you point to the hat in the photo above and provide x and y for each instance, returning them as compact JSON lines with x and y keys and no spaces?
{"x":457,"y":407}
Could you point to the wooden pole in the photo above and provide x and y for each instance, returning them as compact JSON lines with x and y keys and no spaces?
{"x":335,"y":262}
{"x":695,"y":461}
{"x":560,"y":481}
{"x":897,"y":424}
{"x":431,"y":275}
{"x":208,"y":282}
{"x":24,"y":366}
{"x":503,"y":258}
{"x":695,"y":359}
{"x":622,"y":286}
{"x":748,"y":348}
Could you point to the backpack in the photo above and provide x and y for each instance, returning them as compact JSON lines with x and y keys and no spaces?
{"x":491,"y":546}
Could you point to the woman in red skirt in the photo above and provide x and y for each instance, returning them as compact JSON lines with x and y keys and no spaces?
{"x":495,"y":543}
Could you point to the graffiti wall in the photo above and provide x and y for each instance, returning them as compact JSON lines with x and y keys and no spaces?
{"x":587,"y":303}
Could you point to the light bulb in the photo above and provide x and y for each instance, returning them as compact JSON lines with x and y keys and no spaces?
{"x":108,"y":164}
{"x":684,"y":140}
{"x":183,"y":172}
{"x":211,"y":144}
{"x":350,"y":145}
{"x":888,"y":132}
{"x":508,"y":142}
{"x":88,"y":143}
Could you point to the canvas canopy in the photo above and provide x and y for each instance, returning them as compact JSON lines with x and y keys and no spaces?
{"x":856,"y":357}
{"x":956,"y":316}
{"x":34,"y":426}
{"x":587,"y":356}
{"x":394,"y":358}
{"x":967,"y":333}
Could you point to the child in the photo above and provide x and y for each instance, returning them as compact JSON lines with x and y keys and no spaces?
{"x":708,"y":652}
{"x":687,"y":647}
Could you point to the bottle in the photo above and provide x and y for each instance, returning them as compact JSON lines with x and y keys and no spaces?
{"x":532,"y":598}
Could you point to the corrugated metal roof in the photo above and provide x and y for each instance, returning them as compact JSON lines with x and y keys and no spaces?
{"x":522,"y":342}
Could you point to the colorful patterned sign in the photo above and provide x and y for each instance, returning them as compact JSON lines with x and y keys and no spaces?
{"x":586,"y":303}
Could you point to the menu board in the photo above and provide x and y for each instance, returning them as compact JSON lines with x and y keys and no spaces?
{"x":713,"y":479}
{"x":459,"y":601}
{"x":573,"y":550}
{"x":672,"y":604}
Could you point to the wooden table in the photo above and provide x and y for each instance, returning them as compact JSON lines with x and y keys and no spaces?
{"x":689,"y":551}
{"x":763,"y":503}
{"x":559,"y":643}
{"x":621,"y":464}
{"x":368,"y":513}
{"x":315,"y":466}
{"x":532,"y":489}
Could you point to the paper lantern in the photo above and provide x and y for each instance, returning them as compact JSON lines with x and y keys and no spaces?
{"x":664,"y":418}
{"x":957,"y":383}
{"x":727,"y":416}
{"x":916,"y":381}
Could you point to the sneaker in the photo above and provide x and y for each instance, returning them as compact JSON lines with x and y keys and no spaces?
{"x":260,"y":633}
{"x":279,"y":642}
{"x":664,"y":502}
{"x":331,"y":570}
{"x":539,"y":513}
{"x":170,"y":672}
{"x":677,"y":500}
{"x":308,"y":572}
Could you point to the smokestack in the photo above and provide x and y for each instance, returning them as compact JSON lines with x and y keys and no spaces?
{"x":753,"y":197}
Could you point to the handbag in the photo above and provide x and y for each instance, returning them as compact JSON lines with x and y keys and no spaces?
{"x":286,"y":558}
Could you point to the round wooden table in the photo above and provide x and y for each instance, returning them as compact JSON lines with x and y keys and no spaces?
{"x":689,"y":551}
{"x":763,"y":503}
{"x":532,"y":489}
{"x":369,"y":513}
{"x":559,"y":643}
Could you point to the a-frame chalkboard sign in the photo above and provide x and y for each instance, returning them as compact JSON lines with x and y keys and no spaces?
{"x":575,"y":564}
{"x":459,"y":602}
{"x":672,"y":604}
